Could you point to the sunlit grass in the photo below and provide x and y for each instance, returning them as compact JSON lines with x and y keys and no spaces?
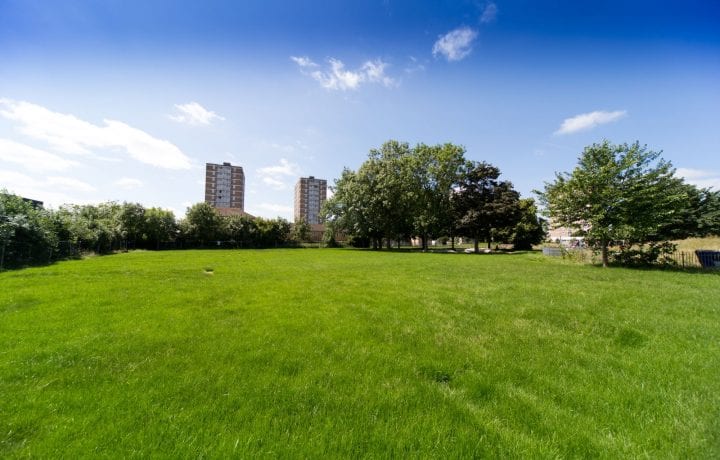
{"x":305,"y":353}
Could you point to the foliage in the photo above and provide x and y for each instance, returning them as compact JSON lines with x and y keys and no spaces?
{"x":329,"y":236}
{"x":160,"y":227}
{"x":300,"y":231}
{"x":485,"y":206}
{"x":529,"y":229}
{"x":618,"y":193}
{"x":242,"y":230}
{"x":401,"y":192}
{"x":343,"y":353}
{"x":438,"y":170}
{"x":652,"y":253}
{"x":202,"y":224}
{"x":26,"y":235}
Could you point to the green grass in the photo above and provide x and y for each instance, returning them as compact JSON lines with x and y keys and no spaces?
{"x":307,"y":353}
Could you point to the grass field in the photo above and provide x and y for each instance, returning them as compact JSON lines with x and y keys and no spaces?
{"x":307,"y":353}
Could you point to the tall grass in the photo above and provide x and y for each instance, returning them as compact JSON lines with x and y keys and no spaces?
{"x":306,"y":353}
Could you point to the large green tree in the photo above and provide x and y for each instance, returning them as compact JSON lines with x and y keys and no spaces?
{"x":437,"y":172}
{"x":398,"y":192}
{"x":616,"y":192}
{"x":484,"y":204}
{"x":202,"y":223}
{"x":160,"y":227}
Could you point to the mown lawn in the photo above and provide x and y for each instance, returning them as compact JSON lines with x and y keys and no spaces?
{"x":307,"y":353}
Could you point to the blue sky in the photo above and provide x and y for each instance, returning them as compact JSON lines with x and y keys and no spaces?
{"x":127,"y":100}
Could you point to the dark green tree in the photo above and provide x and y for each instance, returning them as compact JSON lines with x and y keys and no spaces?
{"x":483,"y":204}
{"x":529,"y":229}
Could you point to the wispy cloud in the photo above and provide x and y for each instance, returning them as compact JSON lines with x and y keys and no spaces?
{"x":414,"y":66}
{"x":336,"y":77}
{"x":303,"y":61}
{"x":67,"y":134}
{"x":32,"y":159}
{"x":128,"y":183}
{"x":53,"y":191}
{"x":489,"y":13}
{"x":456,"y":44}
{"x":69,"y":183}
{"x":193,"y":113}
{"x":700,"y":178}
{"x":586,"y":121}
{"x":278,"y":176}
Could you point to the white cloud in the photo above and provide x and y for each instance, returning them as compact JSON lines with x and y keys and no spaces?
{"x":303,"y":61}
{"x":193,"y":113}
{"x":456,"y":44}
{"x":31,"y":158}
{"x":285,"y":168}
{"x":489,"y":13}
{"x":52,"y":191}
{"x":277,"y":176}
{"x":337,"y":77}
{"x":274,"y":183}
{"x":68,"y":134}
{"x":128,"y":183}
{"x":700,"y":178}
{"x":69,"y":183}
{"x":586,"y":121}
{"x":414,"y":66}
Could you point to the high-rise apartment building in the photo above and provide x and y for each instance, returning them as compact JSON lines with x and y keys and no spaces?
{"x":310,"y":194}
{"x":225,"y":188}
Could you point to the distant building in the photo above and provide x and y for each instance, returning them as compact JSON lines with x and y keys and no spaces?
{"x":225,"y":188}
{"x":35,"y":203}
{"x":310,"y":194}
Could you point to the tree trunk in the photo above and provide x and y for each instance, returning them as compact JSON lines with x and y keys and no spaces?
{"x":452,"y":243}
{"x":477,"y":248}
{"x":605,"y":261}
{"x":423,"y":242}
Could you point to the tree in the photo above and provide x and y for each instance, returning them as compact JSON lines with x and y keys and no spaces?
{"x":202,"y":223}
{"x":388,"y":178}
{"x":484,"y":204}
{"x":437,"y":172}
{"x":242,"y":229}
{"x":398,"y":192}
{"x":160,"y":226}
{"x":26,"y":233}
{"x":131,"y":219}
{"x":619,"y":192}
{"x":529,"y":228}
{"x":300,"y":231}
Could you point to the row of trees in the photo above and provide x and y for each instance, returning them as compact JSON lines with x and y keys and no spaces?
{"x":628,"y":197}
{"x":32,"y":235}
{"x":428,"y":192}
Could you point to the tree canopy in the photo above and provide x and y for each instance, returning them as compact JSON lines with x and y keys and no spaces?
{"x":621,"y":192}
{"x":426,"y":191}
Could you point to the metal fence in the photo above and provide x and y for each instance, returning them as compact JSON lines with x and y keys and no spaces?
{"x":680,"y":259}
{"x":685,"y":259}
